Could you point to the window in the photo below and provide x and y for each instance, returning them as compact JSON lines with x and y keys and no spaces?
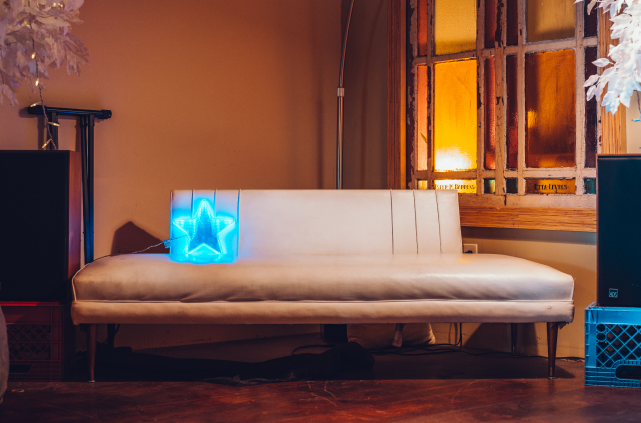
{"x":497,"y":103}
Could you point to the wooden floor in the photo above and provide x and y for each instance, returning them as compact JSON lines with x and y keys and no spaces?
{"x":448,"y":387}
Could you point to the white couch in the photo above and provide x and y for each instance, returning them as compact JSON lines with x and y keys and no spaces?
{"x":324,"y":256}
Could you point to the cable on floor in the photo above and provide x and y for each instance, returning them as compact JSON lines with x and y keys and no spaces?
{"x":433,"y":349}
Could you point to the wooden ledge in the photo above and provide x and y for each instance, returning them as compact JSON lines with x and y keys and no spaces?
{"x":576,"y":220}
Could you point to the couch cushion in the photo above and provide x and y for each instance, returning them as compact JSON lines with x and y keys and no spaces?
{"x":305,"y":222}
{"x":460,"y":277}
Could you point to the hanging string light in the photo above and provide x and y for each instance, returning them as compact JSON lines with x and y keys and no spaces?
{"x":50,"y":24}
{"x":42,"y":102}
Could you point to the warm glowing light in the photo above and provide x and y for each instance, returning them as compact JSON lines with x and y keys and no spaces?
{"x":54,"y":123}
{"x":205,"y":232}
{"x":37,"y":82}
{"x":531,"y":119}
{"x":33,"y":55}
{"x":455,"y":129}
{"x":463,"y":186}
{"x":422,"y":143}
{"x":34,"y":104}
{"x":453,"y":158}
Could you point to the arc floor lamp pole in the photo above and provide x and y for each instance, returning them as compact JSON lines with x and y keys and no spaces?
{"x":332,"y":333}
{"x":341,"y":97}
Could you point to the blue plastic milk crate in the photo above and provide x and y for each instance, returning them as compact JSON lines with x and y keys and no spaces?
{"x":613,"y":346}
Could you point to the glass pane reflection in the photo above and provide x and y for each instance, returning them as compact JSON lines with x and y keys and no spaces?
{"x":549,"y":19}
{"x":489,"y":186}
{"x":455,"y":115}
{"x":454,"y":26}
{"x":490,"y":117}
{"x":550,"y":124}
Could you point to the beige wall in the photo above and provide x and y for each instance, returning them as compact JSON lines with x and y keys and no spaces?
{"x":205,"y":94}
{"x":365,"y":147}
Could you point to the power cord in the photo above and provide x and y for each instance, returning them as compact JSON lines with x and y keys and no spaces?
{"x":166,"y":242}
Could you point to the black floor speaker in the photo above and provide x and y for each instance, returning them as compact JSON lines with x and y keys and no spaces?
{"x":618,"y":231}
{"x":40,"y":216}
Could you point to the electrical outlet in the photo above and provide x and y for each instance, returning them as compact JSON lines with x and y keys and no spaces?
{"x":471,"y":248}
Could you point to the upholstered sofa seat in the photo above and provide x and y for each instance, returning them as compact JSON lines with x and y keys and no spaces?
{"x":154,"y":288}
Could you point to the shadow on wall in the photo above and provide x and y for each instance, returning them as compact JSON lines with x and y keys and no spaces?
{"x":130,"y":238}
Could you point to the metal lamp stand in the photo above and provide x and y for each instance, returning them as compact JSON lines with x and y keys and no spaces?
{"x":87,"y":119}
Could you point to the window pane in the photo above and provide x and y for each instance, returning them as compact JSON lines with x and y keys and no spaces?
{"x":590,"y":22}
{"x":422,"y":143}
{"x":590,"y":185}
{"x":490,"y":117}
{"x":454,"y":26}
{"x":422,"y":184}
{"x":511,"y":186}
{"x":422,"y":27}
{"x":490,"y":23}
{"x":512,"y":112}
{"x":463,"y":186}
{"x":512,"y":13}
{"x":455,"y":115}
{"x":489,"y":186}
{"x":549,"y":19}
{"x":550,"y":186}
{"x":550,"y":109}
{"x":590,"y":112}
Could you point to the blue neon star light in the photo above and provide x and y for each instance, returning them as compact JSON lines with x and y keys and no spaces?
{"x":205,"y":231}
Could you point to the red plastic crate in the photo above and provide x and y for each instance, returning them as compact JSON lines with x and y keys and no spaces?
{"x":41,"y":340}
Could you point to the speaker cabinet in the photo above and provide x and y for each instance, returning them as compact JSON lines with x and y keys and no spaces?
{"x":618,"y":231}
{"x":40,"y":218}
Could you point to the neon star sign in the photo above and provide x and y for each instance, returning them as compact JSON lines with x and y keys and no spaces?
{"x":205,"y":232}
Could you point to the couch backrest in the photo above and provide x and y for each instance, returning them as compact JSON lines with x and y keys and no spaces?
{"x":303,"y":222}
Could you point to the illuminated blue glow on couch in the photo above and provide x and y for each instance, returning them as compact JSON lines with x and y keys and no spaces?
{"x":203,"y":237}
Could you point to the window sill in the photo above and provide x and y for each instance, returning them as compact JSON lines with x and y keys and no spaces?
{"x":548,"y":219}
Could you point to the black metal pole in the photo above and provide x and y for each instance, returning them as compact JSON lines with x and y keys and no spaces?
{"x":85,"y":196}
{"x":90,"y":186}
{"x":87,"y":120}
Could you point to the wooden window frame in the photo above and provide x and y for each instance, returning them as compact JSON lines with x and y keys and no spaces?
{"x":551,"y":212}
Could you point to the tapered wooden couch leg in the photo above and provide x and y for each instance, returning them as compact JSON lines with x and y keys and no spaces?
{"x":513,"y":339}
{"x":91,"y":351}
{"x":553,"y":332}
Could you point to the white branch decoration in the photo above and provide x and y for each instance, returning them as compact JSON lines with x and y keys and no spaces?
{"x":623,"y":78}
{"x":34,"y":34}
